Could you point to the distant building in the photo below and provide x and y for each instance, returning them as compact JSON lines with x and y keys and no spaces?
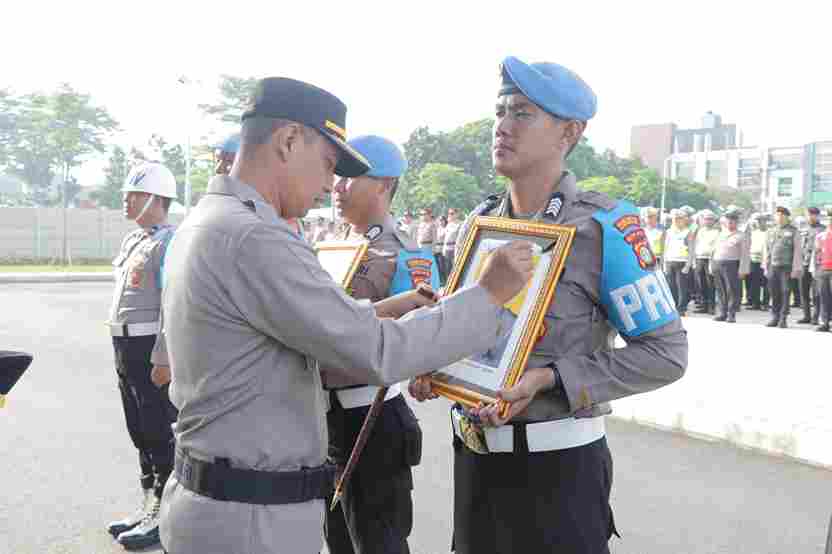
{"x":714,"y":154}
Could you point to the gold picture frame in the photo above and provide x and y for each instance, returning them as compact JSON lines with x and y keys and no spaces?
{"x":341,"y":259}
{"x":477,"y":379}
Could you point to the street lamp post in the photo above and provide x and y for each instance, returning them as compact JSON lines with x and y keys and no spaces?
{"x":183,"y":80}
{"x":665,"y":172}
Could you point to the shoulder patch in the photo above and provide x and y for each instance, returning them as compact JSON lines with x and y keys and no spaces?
{"x":373,"y":232}
{"x":634,"y":291}
{"x":597,"y":199}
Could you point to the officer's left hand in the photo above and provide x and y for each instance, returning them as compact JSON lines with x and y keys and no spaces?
{"x":160,"y":375}
{"x":519,"y":396}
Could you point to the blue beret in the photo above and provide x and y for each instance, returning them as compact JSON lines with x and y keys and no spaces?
{"x":231,"y":144}
{"x":552,"y":87}
{"x":384,"y":156}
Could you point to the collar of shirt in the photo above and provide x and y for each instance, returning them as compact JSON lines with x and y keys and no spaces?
{"x":567,"y":186}
{"x":229,"y":186}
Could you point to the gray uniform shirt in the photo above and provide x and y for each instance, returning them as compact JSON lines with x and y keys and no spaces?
{"x":579,"y":338}
{"x":248,"y":310}
{"x":137,"y":294}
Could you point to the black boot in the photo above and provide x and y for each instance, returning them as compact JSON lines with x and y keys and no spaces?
{"x":773,"y":323}
{"x":721,"y":317}
{"x":732,"y":318}
{"x":823,"y":328}
{"x":783,"y":324}
{"x":804,"y":320}
{"x":118,"y":527}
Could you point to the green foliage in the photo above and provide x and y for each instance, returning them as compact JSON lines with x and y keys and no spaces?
{"x":438,"y":186}
{"x":610,"y":186}
{"x":47,"y":135}
{"x":235,"y":93}
{"x":109,"y":196}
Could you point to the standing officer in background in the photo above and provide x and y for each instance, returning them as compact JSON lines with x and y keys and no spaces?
{"x":225,"y":153}
{"x":823,"y":272}
{"x":249,"y":313}
{"x":655,"y":234}
{"x":426,"y":234}
{"x":451,"y":237}
{"x":542,"y":482}
{"x":134,"y":323}
{"x":808,"y":291}
{"x":678,"y":258}
{"x":377,"y":514}
{"x":705,"y":240}
{"x":730,"y":264}
{"x":782,"y":260}
{"x":755,"y":282}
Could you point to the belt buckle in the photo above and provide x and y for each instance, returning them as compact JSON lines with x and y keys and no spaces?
{"x":473,"y":435}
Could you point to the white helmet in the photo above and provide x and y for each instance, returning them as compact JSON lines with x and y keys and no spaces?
{"x":152,"y":178}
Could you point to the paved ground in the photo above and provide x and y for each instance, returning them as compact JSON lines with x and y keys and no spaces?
{"x":68,"y":466}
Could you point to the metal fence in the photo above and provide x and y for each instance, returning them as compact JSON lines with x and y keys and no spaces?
{"x":38,"y":233}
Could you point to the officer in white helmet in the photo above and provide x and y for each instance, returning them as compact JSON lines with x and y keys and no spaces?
{"x":134,"y":322}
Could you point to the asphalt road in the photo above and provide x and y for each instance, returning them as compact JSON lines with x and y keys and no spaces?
{"x":67,"y":466}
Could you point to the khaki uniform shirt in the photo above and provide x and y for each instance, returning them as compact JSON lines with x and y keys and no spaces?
{"x":426,"y":234}
{"x":248,"y":311}
{"x":705,"y":240}
{"x":451,"y":236}
{"x":137,"y":296}
{"x":733,"y":246}
{"x":578,"y":336}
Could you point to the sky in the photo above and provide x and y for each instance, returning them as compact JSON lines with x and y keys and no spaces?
{"x":398,"y":65}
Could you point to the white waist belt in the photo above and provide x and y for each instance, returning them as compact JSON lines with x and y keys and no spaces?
{"x":543,"y":436}
{"x":134,"y":329}
{"x":364,"y":396}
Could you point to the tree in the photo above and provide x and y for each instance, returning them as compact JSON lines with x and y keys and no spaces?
{"x":584,"y":161}
{"x":235,"y":94}
{"x":439,"y":186}
{"x":610,"y":186}
{"x":115,"y":174}
{"x":77,"y":129}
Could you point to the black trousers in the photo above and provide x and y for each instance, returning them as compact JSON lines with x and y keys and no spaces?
{"x":727,"y":276}
{"x":679,"y":284}
{"x":755,"y":283}
{"x":808,"y":290}
{"x":536,"y":502}
{"x":147,"y":410}
{"x":794,"y":291}
{"x":705,"y":282}
{"x":824,"y":287}
{"x":778,"y":286}
{"x":376,"y":513}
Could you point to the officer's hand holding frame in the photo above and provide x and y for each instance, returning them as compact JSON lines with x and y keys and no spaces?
{"x":477,"y":380}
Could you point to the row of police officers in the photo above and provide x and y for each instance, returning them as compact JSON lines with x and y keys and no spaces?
{"x":272,"y":365}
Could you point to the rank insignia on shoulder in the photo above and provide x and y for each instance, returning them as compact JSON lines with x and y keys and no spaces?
{"x":373,"y":232}
{"x":555,"y":205}
{"x":362,"y":270}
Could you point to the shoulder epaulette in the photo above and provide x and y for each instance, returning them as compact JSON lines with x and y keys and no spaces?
{"x":597,"y":199}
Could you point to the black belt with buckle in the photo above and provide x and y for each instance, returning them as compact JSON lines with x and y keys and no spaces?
{"x":220,"y":481}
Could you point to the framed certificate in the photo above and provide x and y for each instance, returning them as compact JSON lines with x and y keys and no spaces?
{"x":341,"y":259}
{"x":478,"y":378}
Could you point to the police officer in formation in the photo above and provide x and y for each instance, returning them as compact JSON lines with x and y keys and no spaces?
{"x":755,"y":283}
{"x":655,"y":233}
{"x":541,"y":479}
{"x":134,"y":323}
{"x":377,"y":514}
{"x":451,"y":237}
{"x":730,"y":264}
{"x":782,"y":260}
{"x":679,"y":258}
{"x":810,"y":296}
{"x":705,"y":240}
{"x":822,"y":267}
{"x":249,"y":313}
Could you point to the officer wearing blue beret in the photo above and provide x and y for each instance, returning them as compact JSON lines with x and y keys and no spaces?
{"x":377,"y":505}
{"x":224,"y":154}
{"x":540,"y":479}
